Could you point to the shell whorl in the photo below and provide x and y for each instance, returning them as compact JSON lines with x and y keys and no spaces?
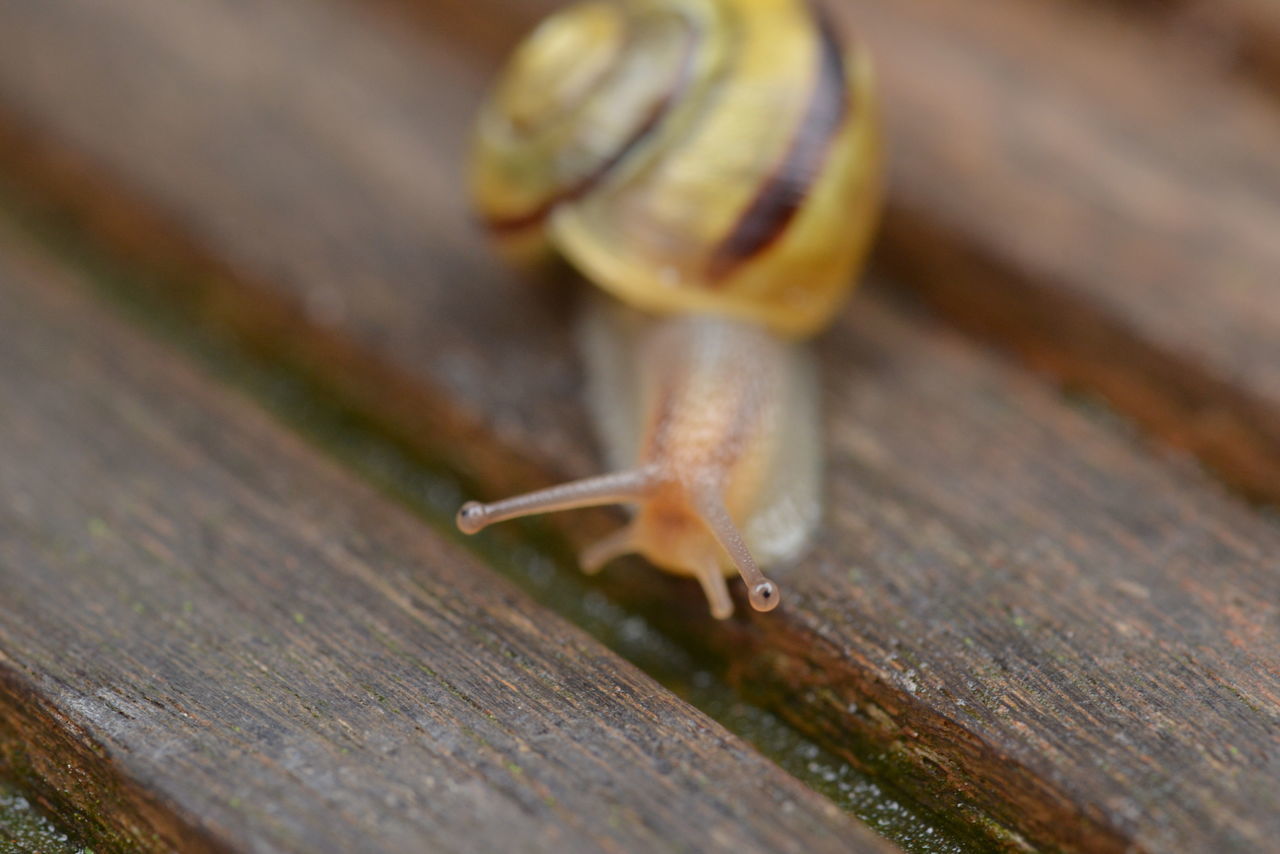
{"x":715,"y":156}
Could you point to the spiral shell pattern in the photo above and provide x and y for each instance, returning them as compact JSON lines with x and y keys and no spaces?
{"x":717,"y":156}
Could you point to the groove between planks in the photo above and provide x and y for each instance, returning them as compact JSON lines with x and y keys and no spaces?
{"x":1021,"y":607}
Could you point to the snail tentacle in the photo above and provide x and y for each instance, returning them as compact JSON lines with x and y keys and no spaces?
{"x":715,"y":588}
{"x":614,"y":488}
{"x":762,"y":593}
{"x":593,"y":558}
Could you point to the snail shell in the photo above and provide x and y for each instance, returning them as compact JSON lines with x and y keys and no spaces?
{"x":715,"y":156}
{"x":712,"y":164}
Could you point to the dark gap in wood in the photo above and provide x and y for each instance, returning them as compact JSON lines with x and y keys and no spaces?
{"x":1176,"y":400}
{"x":71,"y":776}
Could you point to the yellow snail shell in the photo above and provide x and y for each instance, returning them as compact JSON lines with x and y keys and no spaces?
{"x":702,"y":155}
{"x":714,"y":163}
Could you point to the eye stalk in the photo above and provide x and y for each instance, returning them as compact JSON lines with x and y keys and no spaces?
{"x":617,"y":488}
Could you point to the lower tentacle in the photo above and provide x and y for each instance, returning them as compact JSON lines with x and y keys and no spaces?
{"x":593,"y":558}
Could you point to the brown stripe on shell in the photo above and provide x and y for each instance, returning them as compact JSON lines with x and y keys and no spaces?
{"x":784,"y":190}
{"x":643,"y":131}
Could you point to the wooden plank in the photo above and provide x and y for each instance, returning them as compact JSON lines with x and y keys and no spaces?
{"x":213,"y":640}
{"x":1016,"y":606}
{"x":1088,"y":196}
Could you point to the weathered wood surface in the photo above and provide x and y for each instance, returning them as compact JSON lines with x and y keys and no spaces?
{"x":1029,"y":611}
{"x":212,"y":640}
{"x":1079,"y":191}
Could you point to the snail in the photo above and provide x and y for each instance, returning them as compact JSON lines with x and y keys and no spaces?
{"x":713,"y":167}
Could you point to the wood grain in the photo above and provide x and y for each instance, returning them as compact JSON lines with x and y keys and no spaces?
{"x":1078,"y":191}
{"x":1018,"y":608}
{"x":212,"y":640}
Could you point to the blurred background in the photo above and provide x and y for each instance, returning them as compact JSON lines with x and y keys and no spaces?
{"x":1041,"y":614}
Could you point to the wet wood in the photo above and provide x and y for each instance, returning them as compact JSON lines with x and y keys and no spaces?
{"x":1025,"y":612}
{"x":213,"y":640}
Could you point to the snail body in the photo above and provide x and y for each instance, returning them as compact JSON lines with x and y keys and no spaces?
{"x":713,"y":166}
